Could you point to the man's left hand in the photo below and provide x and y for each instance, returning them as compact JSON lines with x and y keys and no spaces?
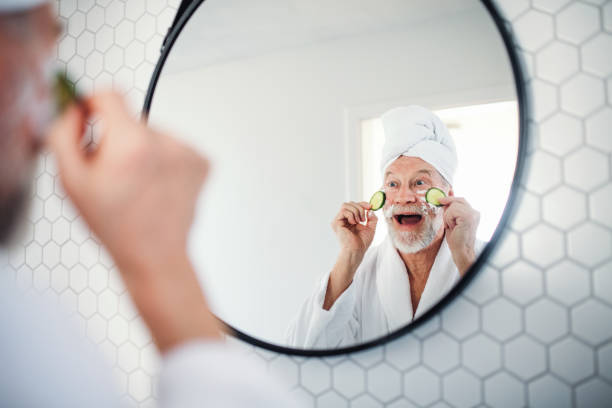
{"x":460,"y":223}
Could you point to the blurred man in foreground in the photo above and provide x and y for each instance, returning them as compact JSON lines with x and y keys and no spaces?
{"x":137,"y":193}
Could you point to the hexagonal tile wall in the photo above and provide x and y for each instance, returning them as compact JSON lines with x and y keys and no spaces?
{"x":533,"y":328}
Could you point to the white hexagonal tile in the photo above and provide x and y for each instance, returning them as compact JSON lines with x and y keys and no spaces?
{"x":33,"y":254}
{"x":589,"y":244}
{"x":139,"y":385}
{"x":543,"y":245}
{"x":525,"y":358}
{"x":568,"y":282}
{"x":548,"y":66}
{"x":586,"y":169}
{"x":66,"y":49}
{"x":441,"y":353}
{"x":481,"y":355}
{"x":331,"y":399}
{"x":118,"y":330}
{"x":95,"y":18}
{"x":506,"y":251}
{"x":59,"y":278}
{"x":41,"y":278}
{"x":461,"y":389}
{"x":504,"y":391}
{"x":134,"y":9}
{"x":76,"y":66}
{"x":528,"y":204}
{"x":598,"y":128}
{"x":85,"y":5}
{"x":594,"y":394}
{"x":126,"y":307}
{"x":550,"y":6}
{"x":571,"y":360}
{"x":403,"y":353}
{"x":543,"y":173}
{"x":587,"y":319}
{"x":51,"y":254}
{"x":145,"y":28}
{"x":44,"y":186}
{"x":602,"y":282}
{"x":501,"y":319}
{"x":564,"y":207}
{"x":599,"y":205}
{"x":68,"y":301}
{"x":384,"y":382}
{"x":548,"y":391}
{"x":143,"y":75}
{"x":369,"y":357}
{"x":544,"y":99}
{"x":150,"y":363}
{"x":113,"y":59}
{"x":114,"y":12}
{"x":421,"y":386}
{"x":85,"y":44}
{"x":577,"y":22}
{"x":139,"y":334}
{"x":78,"y":278}
{"x":104,"y":38}
{"x":60,"y":231}
{"x":315,"y":375}
{"x":596,"y":55}
{"x":108,"y":304}
{"x":533,"y":30}
{"x":604,"y":362}
{"x":66,"y":8}
{"x":124,"y":33}
{"x":94,"y":64}
{"x":365,"y":401}
{"x":88,"y":253}
{"x":42,"y":231}
{"x":98,"y":278}
{"x":560,"y":134}
{"x":522,"y":282}
{"x":134,"y":54}
{"x":546,"y":320}
{"x":87,"y":303}
{"x":460,"y":319}
{"x":484,"y":287}
{"x":23,"y":278}
{"x":349,"y":379}
{"x":53,"y":208}
{"x":96,"y":329}
{"x":582,"y":94}
{"x":37,"y":209}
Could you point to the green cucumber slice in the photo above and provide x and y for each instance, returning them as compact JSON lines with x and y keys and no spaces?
{"x":433,"y":196}
{"x":65,"y":92}
{"x":378,"y":200}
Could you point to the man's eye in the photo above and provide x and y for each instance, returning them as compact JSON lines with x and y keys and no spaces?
{"x":392,"y":184}
{"x":420,"y":183}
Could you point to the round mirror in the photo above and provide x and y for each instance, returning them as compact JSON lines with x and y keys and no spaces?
{"x":309,"y":109}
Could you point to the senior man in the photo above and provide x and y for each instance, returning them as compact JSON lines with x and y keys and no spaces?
{"x":137,"y":192}
{"x":373,"y":291}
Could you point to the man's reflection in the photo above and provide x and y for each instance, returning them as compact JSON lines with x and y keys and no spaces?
{"x":373,"y":291}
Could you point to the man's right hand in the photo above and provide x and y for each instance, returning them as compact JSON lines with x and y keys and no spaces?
{"x":137,"y":192}
{"x":355,"y":239}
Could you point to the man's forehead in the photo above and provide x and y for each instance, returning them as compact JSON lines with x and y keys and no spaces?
{"x":409,"y":166}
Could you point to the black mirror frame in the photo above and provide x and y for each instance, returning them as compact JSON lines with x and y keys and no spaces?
{"x":184,"y":13}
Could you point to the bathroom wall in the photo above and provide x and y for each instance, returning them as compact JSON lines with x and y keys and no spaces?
{"x":535,"y":326}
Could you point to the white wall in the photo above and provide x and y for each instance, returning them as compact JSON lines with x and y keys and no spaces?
{"x":274,"y":127}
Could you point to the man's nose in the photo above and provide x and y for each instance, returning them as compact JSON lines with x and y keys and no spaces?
{"x":405,"y":195}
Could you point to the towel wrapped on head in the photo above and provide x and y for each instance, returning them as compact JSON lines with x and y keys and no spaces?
{"x":414,"y":131}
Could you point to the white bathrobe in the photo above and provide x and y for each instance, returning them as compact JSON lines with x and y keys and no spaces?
{"x":376,"y":303}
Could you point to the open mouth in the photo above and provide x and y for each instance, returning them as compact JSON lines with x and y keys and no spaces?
{"x":408,"y":219}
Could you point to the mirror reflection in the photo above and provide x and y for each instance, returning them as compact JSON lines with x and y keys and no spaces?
{"x":310,"y":113}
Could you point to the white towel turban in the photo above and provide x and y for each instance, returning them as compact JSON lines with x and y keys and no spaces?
{"x":9,"y":6}
{"x":416,"y":132}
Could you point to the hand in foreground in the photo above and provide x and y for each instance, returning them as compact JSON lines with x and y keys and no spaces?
{"x":137,"y":192}
{"x":354,"y":237}
{"x":460,"y":223}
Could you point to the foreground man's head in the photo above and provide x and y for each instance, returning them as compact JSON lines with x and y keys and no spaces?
{"x":28,"y":31}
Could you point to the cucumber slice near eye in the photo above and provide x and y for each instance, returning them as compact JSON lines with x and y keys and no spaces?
{"x":378,"y":200}
{"x":433,"y":196}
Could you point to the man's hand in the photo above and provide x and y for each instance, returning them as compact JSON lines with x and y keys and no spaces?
{"x":355,"y":238}
{"x":460,"y":223}
{"x":137,"y":192}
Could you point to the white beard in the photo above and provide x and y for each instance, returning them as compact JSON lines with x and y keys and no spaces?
{"x":411,"y":242}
